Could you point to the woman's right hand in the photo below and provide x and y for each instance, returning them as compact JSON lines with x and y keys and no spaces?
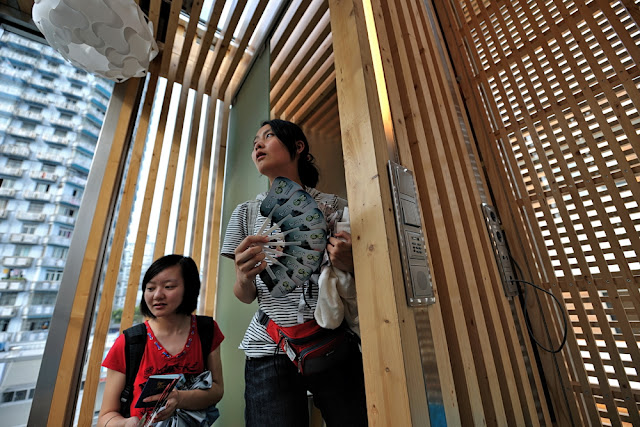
{"x":132,"y":422}
{"x":249,"y":261}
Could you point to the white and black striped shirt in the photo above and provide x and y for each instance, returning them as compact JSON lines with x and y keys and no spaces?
{"x":292,"y":309}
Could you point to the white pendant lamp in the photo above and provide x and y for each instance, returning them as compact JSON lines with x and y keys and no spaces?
{"x":110,"y":38}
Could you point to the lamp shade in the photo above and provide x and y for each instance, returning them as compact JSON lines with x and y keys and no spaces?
{"x":110,"y":38}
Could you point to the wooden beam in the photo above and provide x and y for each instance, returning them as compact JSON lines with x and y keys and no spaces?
{"x":389,"y":343}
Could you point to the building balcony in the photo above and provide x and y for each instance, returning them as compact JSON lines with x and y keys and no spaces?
{"x":17,"y":75}
{"x":8,"y":192}
{"x":32,"y":98}
{"x":76,"y":181}
{"x":8,"y":311}
{"x":47,"y":68}
{"x":23,"y":43}
{"x":98,"y":102}
{"x":13,"y":285}
{"x":101,"y":88}
{"x":29,"y":116}
{"x":80,"y":163}
{"x":50,"y":262}
{"x":30,"y":336}
{"x":44,"y":286}
{"x":15,"y":151}
{"x":11,"y":172}
{"x":49,"y":157}
{"x":4,"y":213}
{"x":68,"y":200}
{"x":38,"y":310}
{"x":6,"y":337}
{"x":36,"y":195}
{"x":90,"y":131}
{"x":17,"y":261}
{"x":10,"y":91}
{"x":43,"y":176}
{"x":67,"y":107}
{"x":63,"y":219}
{"x":74,"y":93}
{"x":63,"y":123}
{"x":31,"y":216}
{"x":85,"y":147}
{"x":38,"y":83}
{"x":57,"y":241}
{"x":22,"y":133}
{"x":24,"y":239}
{"x":94,"y":116}
{"x":56,"y":141}
{"x":17,"y":57}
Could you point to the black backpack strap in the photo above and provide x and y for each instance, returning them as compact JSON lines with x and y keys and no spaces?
{"x":205,"y":331}
{"x":135,"y":339}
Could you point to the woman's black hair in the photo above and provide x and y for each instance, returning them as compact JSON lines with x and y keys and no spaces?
{"x":290,"y":133}
{"x":190,"y":277}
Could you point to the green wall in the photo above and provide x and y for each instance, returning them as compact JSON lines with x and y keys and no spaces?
{"x":242,"y":182}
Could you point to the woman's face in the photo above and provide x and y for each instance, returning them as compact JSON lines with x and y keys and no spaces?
{"x":271,"y":157}
{"x":163,"y":294}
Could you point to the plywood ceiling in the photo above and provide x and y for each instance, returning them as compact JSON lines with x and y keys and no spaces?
{"x":298,"y":34}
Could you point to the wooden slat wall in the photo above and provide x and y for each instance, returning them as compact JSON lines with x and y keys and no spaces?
{"x":553,"y":96}
{"x":480,"y":331}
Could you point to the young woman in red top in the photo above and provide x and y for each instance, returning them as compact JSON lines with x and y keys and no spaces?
{"x":170,"y":290}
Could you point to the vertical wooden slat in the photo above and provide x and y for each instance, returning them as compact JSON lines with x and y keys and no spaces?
{"x":201,"y":231}
{"x":216,"y":212}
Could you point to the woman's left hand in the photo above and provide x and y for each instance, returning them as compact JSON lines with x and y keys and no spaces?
{"x":340,"y":253}
{"x":169,"y":407}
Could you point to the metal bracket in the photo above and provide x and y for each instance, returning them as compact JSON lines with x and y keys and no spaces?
{"x":500,"y":249}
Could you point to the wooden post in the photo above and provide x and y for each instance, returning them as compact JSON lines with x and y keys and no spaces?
{"x":393,"y":375}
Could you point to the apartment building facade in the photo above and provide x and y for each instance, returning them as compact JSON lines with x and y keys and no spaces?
{"x":50,"y":117}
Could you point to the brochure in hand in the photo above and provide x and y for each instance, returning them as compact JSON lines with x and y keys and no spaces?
{"x":156,"y":384}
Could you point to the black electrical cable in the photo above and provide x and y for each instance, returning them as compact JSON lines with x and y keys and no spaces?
{"x":528,"y":321}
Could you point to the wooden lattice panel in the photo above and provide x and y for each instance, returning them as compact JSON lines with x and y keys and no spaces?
{"x":556,"y":87}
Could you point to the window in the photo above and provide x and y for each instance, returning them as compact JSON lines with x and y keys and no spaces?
{"x":47,"y":78}
{"x":3,"y":203}
{"x":8,"y":298}
{"x":66,"y":211}
{"x":7,"y":396}
{"x":22,"y":250}
{"x":48,"y":168}
{"x":36,"y":207}
{"x":60,"y":132}
{"x":76,"y":86}
{"x":65,"y":232}
{"x":6,"y":183}
{"x":28,"y":229}
{"x":35,"y":324}
{"x":4,"y":325}
{"x":28,"y":126}
{"x":59,"y":253}
{"x":42,"y":187}
{"x":35,"y":109}
{"x":44,"y":298}
{"x":14,"y":163}
{"x":20,"y":395}
{"x":66,"y":116}
{"x":53,"y":275}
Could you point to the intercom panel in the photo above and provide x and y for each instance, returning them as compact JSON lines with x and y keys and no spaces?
{"x":413,"y":251}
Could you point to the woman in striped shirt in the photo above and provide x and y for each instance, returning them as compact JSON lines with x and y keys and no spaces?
{"x":275,"y":393}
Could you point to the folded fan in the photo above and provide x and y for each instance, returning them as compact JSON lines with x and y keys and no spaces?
{"x":297,"y":239}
